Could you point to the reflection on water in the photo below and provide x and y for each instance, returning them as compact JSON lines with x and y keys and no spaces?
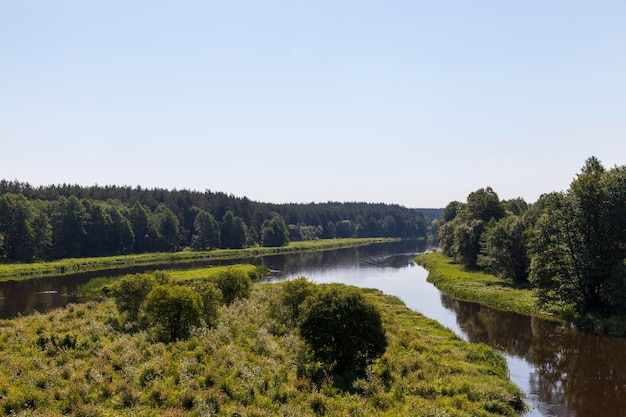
{"x":573,"y":373}
{"x":27,"y":297}
{"x":561,"y":371}
{"x":43,"y":294}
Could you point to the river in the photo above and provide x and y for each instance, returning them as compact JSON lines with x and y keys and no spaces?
{"x":561,"y":371}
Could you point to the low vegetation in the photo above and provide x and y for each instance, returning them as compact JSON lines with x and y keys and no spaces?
{"x":453,"y":279}
{"x":89,"y":360}
{"x":112,"y":263}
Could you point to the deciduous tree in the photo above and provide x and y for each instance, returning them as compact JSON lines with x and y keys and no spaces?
{"x":503,"y":249}
{"x":168,"y":226}
{"x":173,"y":310}
{"x":343,"y":330}
{"x":131,"y":291}
{"x":579,"y":243}
{"x":206,"y":231}
{"x":274,"y":232}
{"x":234,"y":284}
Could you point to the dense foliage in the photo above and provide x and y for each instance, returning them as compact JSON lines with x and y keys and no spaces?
{"x":78,"y":362}
{"x":56,"y":222}
{"x":173,"y":310}
{"x":171,"y":307}
{"x":570,"y":246}
{"x":344,"y":331}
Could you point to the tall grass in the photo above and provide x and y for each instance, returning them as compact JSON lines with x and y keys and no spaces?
{"x":77,"y":361}
{"x":454,"y":280}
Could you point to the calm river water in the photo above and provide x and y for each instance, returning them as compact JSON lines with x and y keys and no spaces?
{"x":562,"y":372}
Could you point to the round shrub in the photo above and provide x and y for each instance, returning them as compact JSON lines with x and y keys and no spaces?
{"x":287,"y":304}
{"x":173,"y":310}
{"x":234,"y":283}
{"x":343,"y":330}
{"x":131,"y":291}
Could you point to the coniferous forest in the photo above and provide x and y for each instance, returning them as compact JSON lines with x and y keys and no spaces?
{"x":70,"y":221}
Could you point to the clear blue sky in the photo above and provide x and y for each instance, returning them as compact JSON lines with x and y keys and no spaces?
{"x":409,"y":102}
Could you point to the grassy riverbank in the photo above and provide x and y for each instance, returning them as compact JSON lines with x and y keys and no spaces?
{"x":242,"y":366}
{"x":97,"y":287}
{"x":79,"y":265}
{"x":454,"y":280}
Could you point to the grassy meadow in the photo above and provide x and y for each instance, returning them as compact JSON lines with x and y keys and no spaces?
{"x":451,"y":278}
{"x":83,"y":361}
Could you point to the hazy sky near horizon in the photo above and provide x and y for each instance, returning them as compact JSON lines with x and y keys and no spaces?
{"x":410,"y":102}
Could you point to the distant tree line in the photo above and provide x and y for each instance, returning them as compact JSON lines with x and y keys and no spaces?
{"x":570,"y":246}
{"x":67,"y":221}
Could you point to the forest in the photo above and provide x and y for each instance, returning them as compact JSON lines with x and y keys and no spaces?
{"x":72,"y":221}
{"x":569,"y":246}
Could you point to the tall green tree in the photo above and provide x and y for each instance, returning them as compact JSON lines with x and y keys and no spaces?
{"x":463,"y":225}
{"x":467,"y":237}
{"x":330,"y":232}
{"x":503,"y":249}
{"x":344,"y":228}
{"x":97,"y":229}
{"x":24,"y":227}
{"x":121,"y":237}
{"x":207,"y":231}
{"x":295,"y":232}
{"x":389,"y":226}
{"x":484,"y":204}
{"x":168,"y":227}
{"x":578,"y":245}
{"x":226,"y":230}
{"x":274,"y":232}
{"x":69,"y":220}
{"x":144,"y":228}
{"x":450,"y":211}
{"x":139,"y":222}
{"x":238,"y":233}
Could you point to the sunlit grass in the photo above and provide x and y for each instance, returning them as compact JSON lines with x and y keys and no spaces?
{"x":95,"y":286}
{"x":78,"y":265}
{"x":198,"y":273}
{"x":78,"y":361}
{"x":451,"y":278}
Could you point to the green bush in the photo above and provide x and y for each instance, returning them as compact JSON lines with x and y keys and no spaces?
{"x":233,"y":283}
{"x":211,"y":299}
{"x":173,"y":310}
{"x":343,"y":330}
{"x":130,"y":293}
{"x":286,"y":305}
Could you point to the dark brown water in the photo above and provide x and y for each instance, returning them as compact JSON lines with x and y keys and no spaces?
{"x":562,"y":372}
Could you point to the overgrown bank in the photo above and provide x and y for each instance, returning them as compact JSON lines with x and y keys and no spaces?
{"x":244,"y":365}
{"x":570,"y":246}
{"x":452,"y":278}
{"x":111,"y":263}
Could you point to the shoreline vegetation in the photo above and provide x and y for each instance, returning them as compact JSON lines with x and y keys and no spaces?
{"x":22,"y":271}
{"x":247,"y":364}
{"x":568,"y":246}
{"x":480,"y":287}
